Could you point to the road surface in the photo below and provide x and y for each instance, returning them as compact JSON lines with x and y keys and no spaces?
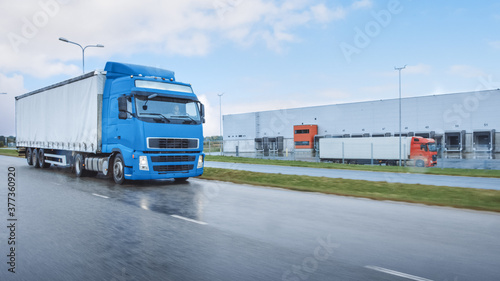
{"x":468,"y":182}
{"x":72,"y":228}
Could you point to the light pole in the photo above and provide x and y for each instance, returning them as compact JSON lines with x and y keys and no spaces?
{"x":399,"y":70}
{"x":83,"y":49}
{"x":220,"y":123}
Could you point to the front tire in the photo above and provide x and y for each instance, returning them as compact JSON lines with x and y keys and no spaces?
{"x":420,"y":163}
{"x":118,"y":169}
{"x":79,"y":166}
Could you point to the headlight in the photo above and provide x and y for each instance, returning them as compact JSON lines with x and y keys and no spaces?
{"x":143,"y":163}
{"x":200,"y":162}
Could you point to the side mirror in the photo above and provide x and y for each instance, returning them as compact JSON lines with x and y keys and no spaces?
{"x":122,"y":107}
{"x":202,"y":112}
{"x":122,"y":104}
{"x":122,"y":115}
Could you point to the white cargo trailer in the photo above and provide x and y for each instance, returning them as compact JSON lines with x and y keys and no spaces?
{"x":64,"y":116}
{"x":418,"y":150}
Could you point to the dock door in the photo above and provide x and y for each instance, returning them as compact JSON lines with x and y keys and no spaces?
{"x":483,"y":144}
{"x":454,"y":144}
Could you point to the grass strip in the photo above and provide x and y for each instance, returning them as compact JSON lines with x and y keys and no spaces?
{"x":375,"y":168}
{"x":8,"y":152}
{"x":467,"y":198}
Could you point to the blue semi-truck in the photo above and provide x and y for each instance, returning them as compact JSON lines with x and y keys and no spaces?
{"x":128,"y":122}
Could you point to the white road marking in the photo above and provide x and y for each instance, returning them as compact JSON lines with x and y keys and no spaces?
{"x":397,"y":273}
{"x":186,"y":219}
{"x":102,"y":196}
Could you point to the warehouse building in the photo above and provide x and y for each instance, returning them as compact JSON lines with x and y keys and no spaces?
{"x":465,"y":125}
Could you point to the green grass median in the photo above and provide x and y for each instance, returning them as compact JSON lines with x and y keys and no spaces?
{"x":374,"y":168}
{"x":8,"y":152}
{"x":468,"y":198}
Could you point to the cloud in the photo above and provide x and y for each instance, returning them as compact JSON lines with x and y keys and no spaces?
{"x":418,"y":69}
{"x":362,"y":4}
{"x":323,"y":14}
{"x":13,"y":86}
{"x":211,"y":126}
{"x":186,"y":28}
{"x":466,"y":71}
{"x":333,"y":95}
{"x":315,"y":98}
{"x":495,"y":44}
{"x":379,"y":90}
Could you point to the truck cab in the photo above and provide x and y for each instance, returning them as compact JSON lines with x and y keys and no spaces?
{"x":423,"y":152}
{"x":152,"y":124}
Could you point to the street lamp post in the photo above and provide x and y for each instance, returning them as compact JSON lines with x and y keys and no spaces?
{"x":83,"y":49}
{"x":399,"y":70}
{"x":220,"y":123}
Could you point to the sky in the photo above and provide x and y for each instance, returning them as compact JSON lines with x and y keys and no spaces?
{"x":261,"y":54}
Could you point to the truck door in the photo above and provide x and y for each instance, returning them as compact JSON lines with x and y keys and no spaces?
{"x":120,"y":122}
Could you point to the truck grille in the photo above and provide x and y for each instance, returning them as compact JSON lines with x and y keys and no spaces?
{"x":175,"y":158}
{"x":173,"y":168}
{"x":172,"y":143}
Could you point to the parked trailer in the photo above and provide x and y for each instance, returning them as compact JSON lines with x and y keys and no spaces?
{"x":130,"y":122}
{"x":417,"y":151}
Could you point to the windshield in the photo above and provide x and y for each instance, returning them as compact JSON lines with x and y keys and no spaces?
{"x":432,"y":147}
{"x":167,"y":110}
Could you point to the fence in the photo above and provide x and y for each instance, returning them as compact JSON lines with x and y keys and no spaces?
{"x":212,"y":147}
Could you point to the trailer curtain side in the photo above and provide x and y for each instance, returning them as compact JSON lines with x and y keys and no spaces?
{"x":64,"y":116}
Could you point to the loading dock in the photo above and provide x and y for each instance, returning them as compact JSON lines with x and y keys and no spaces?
{"x":454,"y":144}
{"x":476,"y":135}
{"x":483,"y":144}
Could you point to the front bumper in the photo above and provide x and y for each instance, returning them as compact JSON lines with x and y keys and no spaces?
{"x":165,"y":166}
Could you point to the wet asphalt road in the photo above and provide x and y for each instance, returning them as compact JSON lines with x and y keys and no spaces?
{"x":91,"y":229}
{"x":468,"y":182}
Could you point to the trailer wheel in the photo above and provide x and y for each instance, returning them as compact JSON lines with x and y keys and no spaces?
{"x":29,"y":156}
{"x":41,"y":159}
{"x":420,"y":163}
{"x":118,"y":169}
{"x":79,"y":166}
{"x":34,"y":158}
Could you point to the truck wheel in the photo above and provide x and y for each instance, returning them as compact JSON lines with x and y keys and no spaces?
{"x":29,"y":156}
{"x":118,"y":169}
{"x":79,"y":166}
{"x":34,"y":158}
{"x":420,"y":163}
{"x":41,"y":159}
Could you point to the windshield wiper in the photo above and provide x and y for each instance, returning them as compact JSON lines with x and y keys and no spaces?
{"x":158,"y":114}
{"x":191,"y":120}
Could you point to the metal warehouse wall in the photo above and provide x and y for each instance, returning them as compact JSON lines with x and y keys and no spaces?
{"x":469,"y":112}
